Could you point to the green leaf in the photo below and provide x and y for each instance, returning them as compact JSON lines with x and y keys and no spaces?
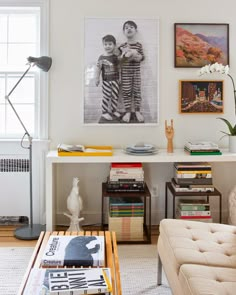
{"x":232,"y":130}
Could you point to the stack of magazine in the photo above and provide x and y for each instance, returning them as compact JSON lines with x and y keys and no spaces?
{"x":141,"y":149}
{"x":202,"y":148}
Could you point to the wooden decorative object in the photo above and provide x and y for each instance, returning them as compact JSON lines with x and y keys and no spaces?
{"x":169,"y":131}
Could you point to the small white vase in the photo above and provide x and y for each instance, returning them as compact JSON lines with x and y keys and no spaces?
{"x":232,"y":144}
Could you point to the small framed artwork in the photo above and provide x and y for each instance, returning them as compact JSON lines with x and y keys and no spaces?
{"x":201,"y":96}
{"x":199,"y":44}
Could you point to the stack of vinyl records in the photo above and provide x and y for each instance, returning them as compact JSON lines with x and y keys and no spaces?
{"x":126,"y":177}
{"x":202,"y":148}
{"x":141,"y":149}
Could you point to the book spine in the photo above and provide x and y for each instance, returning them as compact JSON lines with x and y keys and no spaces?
{"x":194,"y":189}
{"x":180,"y":171}
{"x":126,"y":165}
{"x":194,"y":207}
{"x":193,"y":175}
{"x":189,"y":181}
{"x":194,"y":217}
{"x":195,"y":213}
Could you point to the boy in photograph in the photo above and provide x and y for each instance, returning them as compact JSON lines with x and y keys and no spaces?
{"x":131,"y":55}
{"x":108,"y":65}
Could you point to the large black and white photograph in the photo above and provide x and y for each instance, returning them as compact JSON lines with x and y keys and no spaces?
{"x":121,"y":71}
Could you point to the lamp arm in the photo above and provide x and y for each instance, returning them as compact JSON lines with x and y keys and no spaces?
{"x":13,"y":108}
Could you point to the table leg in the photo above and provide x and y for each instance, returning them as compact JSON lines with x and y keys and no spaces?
{"x":166,"y":201}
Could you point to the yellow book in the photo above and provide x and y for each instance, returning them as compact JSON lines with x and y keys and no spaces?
{"x":93,"y":150}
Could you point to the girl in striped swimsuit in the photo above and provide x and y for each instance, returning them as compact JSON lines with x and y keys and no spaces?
{"x":130,"y":58}
{"x":108,"y":65}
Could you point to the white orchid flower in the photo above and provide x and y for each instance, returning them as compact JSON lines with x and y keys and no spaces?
{"x":213,"y":68}
{"x":217,"y":67}
{"x":226,"y":70}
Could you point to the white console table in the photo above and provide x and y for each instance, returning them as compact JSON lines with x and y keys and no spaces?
{"x":53,"y":159}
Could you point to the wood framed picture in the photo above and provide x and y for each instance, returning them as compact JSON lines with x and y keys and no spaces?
{"x":199,"y":44}
{"x":121,"y":71}
{"x":201,"y":96}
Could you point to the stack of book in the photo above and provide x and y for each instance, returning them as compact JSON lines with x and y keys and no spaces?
{"x":197,"y":175}
{"x":195,"y":210}
{"x":71,"y":265}
{"x":69,"y":281}
{"x":202,"y":148}
{"x":126,"y":207}
{"x":126,"y":177}
{"x":126,"y":218}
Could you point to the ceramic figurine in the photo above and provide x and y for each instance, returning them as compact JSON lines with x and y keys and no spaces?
{"x":74,"y":205}
{"x":169,"y":131}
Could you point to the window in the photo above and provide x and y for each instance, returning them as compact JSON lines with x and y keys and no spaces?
{"x":23,"y":33}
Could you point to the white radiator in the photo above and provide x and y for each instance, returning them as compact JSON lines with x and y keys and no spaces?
{"x":14,"y":186}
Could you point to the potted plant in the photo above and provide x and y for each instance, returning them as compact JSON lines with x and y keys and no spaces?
{"x":219,"y":68}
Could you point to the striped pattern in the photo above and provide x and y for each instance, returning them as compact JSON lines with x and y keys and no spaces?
{"x":110,"y":90}
{"x":131,"y":79}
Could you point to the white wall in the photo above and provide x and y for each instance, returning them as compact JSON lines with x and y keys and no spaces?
{"x":66,"y":85}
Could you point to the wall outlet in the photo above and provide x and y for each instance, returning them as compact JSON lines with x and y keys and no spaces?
{"x":155,"y":191}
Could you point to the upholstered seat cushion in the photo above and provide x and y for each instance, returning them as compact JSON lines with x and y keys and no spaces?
{"x":199,"y":280}
{"x":192,"y":242}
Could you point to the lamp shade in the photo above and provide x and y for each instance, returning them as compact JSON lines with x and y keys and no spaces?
{"x":43,"y":62}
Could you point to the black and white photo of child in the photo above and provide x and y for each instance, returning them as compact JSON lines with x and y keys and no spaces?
{"x":121,"y":72}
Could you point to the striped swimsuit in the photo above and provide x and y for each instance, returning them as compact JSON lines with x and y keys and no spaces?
{"x":110,"y":82}
{"x":131,"y":78}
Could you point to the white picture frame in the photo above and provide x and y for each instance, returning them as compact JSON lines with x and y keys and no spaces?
{"x":147,"y":34}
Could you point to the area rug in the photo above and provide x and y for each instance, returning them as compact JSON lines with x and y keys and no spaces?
{"x":13,"y":264}
{"x":138,"y":269}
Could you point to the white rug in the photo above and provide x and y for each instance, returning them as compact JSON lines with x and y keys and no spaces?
{"x":138,"y":268}
{"x":13,"y":264}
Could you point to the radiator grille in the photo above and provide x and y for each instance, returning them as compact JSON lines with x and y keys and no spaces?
{"x":14,"y":165}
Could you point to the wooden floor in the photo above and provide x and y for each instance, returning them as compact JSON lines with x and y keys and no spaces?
{"x":7,"y":238}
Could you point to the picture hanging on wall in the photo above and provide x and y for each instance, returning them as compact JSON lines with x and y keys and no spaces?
{"x":201,"y":97}
{"x":121,"y":71}
{"x":199,"y":44}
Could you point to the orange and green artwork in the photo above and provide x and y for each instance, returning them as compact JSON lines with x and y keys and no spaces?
{"x":197,"y":45}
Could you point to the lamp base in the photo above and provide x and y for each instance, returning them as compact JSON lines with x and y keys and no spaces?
{"x":29,"y":232}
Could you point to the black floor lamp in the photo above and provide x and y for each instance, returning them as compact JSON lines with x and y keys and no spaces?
{"x":31,"y":231}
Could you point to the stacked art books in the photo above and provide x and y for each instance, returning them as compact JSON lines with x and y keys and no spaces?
{"x":202,"y":148}
{"x":195,"y":177}
{"x":126,"y":177}
{"x":126,"y":207}
{"x":86,"y":251}
{"x":126,"y":218}
{"x":141,"y":149}
{"x":196,"y":210}
{"x":69,"y":281}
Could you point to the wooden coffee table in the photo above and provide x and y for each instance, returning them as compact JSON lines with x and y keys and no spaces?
{"x":112,"y":260}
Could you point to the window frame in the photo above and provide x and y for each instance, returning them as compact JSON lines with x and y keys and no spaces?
{"x":41,"y":105}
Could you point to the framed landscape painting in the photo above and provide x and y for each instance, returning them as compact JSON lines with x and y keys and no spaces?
{"x":199,"y":44}
{"x":201,"y":97}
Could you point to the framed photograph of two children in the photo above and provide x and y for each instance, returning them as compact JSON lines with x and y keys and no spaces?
{"x":121,"y":71}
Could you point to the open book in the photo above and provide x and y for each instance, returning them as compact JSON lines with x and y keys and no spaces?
{"x":80,"y":150}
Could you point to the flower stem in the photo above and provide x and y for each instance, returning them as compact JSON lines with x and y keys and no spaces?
{"x":234,"y":92}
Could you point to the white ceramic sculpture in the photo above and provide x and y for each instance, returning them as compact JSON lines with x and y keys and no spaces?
{"x":232,"y":206}
{"x":74,"y":205}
